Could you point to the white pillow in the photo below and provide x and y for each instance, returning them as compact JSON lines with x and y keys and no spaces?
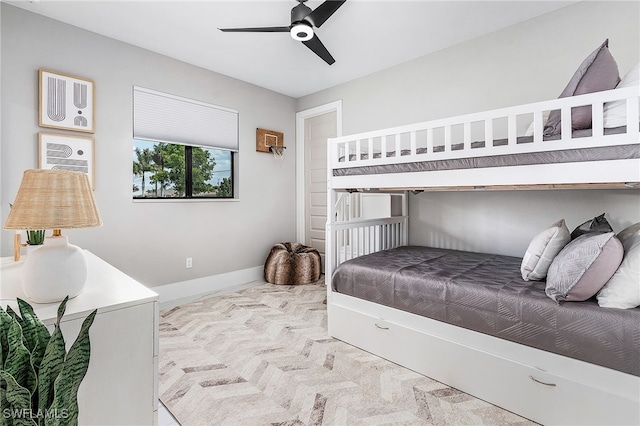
{"x":615,"y":113}
{"x":542,"y":250}
{"x":623,"y":289}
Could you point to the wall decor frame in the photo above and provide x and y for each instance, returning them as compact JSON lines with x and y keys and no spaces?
{"x":266,"y":138}
{"x":67,"y":152}
{"x":66,"y":102}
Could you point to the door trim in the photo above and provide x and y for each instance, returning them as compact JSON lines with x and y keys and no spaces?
{"x":300,"y":169}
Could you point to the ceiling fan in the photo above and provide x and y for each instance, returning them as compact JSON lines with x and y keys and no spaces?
{"x":303,"y":19}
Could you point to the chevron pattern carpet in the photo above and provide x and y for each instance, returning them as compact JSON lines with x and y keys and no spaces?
{"x":262,"y":356}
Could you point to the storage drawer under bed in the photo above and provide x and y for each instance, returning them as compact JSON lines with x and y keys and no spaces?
{"x":543,"y":396}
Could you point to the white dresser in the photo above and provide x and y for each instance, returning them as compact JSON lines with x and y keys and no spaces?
{"x":121,"y":385}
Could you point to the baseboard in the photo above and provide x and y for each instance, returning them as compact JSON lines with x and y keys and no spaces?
{"x":175,"y":294}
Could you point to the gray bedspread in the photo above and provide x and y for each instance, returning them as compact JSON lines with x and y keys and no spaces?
{"x":486,"y":293}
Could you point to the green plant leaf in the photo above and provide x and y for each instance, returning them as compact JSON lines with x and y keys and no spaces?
{"x":61,"y":309}
{"x":18,"y":401}
{"x":68,"y":381}
{"x":13,"y":314}
{"x":35,"y":337}
{"x":4,"y":420}
{"x":52,"y":362}
{"x":18,"y":362}
{"x":35,"y":362}
{"x":34,"y":332}
{"x":5,"y":324}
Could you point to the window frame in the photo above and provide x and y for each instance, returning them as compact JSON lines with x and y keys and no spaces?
{"x":188,"y":175}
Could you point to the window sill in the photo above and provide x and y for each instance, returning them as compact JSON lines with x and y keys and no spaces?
{"x":185,"y":200}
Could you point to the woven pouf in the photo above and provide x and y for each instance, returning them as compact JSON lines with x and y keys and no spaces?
{"x":291,"y":264}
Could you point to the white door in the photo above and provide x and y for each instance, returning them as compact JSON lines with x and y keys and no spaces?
{"x":317,"y":130}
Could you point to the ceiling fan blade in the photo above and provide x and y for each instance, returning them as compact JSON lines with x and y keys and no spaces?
{"x":318,"y":48}
{"x":256,"y":30}
{"x":323,"y":12}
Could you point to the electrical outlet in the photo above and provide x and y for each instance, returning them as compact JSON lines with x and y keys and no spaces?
{"x":189,"y":263}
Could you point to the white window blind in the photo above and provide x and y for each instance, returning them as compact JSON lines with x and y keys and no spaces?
{"x":166,"y":118}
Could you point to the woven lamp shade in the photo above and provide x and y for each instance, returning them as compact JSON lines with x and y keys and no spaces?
{"x":53,"y":199}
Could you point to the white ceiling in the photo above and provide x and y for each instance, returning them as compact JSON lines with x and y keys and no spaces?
{"x":364,"y":36}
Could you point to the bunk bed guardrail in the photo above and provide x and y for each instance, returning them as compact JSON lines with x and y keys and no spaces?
{"x":451,"y":138}
{"x":348,"y":235}
{"x":354,"y":238}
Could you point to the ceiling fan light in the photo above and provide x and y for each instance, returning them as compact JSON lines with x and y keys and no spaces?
{"x":301,"y":32}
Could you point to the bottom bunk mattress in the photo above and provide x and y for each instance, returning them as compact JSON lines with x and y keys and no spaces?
{"x":486,"y":293}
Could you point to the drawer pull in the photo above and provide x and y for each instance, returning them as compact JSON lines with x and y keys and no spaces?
{"x":381,"y":327}
{"x":542,"y":383}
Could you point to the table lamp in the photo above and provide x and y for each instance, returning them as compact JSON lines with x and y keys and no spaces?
{"x":54,"y":199}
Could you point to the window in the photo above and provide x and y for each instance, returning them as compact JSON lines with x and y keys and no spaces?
{"x":182,"y":148}
{"x":164,"y":170}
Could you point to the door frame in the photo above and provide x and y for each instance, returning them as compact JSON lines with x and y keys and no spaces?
{"x":300,"y":167}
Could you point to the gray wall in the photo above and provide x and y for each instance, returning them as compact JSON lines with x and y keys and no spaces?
{"x":147,"y":240}
{"x":528,"y":62}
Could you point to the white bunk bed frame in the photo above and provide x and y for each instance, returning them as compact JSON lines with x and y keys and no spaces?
{"x":539,"y":385}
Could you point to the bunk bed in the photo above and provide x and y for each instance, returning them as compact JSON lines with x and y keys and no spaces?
{"x":477,"y":331}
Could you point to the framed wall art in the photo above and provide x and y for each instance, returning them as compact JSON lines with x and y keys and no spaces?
{"x":67,"y":152}
{"x":66,"y":102}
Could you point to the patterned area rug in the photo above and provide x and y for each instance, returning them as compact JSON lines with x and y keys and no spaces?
{"x":262,"y":356}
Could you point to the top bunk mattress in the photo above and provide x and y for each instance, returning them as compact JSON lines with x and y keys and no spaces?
{"x":486,"y":293}
{"x":616,"y":152}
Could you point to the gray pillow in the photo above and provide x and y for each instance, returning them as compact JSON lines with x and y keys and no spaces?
{"x":583,"y":267}
{"x":597,"y":224}
{"x":629,"y":236}
{"x":597,"y":72}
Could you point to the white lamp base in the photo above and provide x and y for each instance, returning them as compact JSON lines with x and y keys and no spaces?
{"x":54,"y":271}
